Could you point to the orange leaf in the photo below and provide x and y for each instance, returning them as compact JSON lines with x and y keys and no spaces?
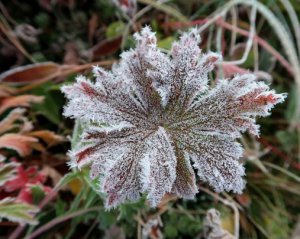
{"x":7,"y":123}
{"x":20,"y":143}
{"x":6,"y":91}
{"x":22,"y":100}
{"x":48,"y":136}
{"x":30,"y":73}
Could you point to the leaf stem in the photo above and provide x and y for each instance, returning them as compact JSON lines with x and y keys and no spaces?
{"x":61,"y":219}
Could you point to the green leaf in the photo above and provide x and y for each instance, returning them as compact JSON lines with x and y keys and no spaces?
{"x":37,"y":193}
{"x":42,"y":19}
{"x":166,"y":43}
{"x":170,"y":231}
{"x":60,"y":207}
{"x":53,"y":101}
{"x":107,"y":219}
{"x":186,"y":225}
{"x":115,"y":29}
{"x":17,"y":211}
{"x":128,"y":210}
{"x":106,"y":8}
{"x":7,"y":172}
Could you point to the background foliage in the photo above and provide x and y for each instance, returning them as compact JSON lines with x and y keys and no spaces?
{"x":44,"y":44}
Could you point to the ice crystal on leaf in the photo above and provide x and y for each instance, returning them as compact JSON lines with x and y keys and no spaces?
{"x":153,"y":116}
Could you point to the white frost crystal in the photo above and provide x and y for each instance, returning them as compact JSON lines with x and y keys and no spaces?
{"x":153,"y":115}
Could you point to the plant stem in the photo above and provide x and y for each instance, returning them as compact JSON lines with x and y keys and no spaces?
{"x":58,"y":220}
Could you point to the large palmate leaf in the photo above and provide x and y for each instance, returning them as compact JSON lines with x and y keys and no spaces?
{"x":154,"y":116}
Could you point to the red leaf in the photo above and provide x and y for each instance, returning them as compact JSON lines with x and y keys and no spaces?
{"x":106,"y":47}
{"x":29,"y":176}
{"x":30,"y":73}
{"x":25,"y":194}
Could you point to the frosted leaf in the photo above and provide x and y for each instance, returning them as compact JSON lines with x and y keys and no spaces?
{"x":231,"y":106}
{"x":146,"y":70}
{"x":153,"y":118}
{"x":215,"y":158}
{"x":122,"y":182}
{"x":162,"y":163}
{"x":185,"y":182}
{"x":190,"y":67}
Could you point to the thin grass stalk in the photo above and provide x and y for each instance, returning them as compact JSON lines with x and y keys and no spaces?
{"x":294,"y":20}
{"x":165,"y":8}
{"x":234,"y":17}
{"x":283,"y":37}
{"x":219,"y":48}
{"x":283,"y":170}
{"x":249,"y":43}
{"x":277,"y":26}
